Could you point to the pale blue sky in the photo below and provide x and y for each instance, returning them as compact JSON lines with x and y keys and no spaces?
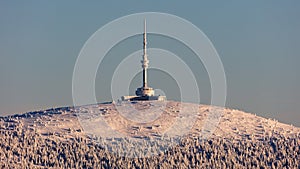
{"x":258,"y":42}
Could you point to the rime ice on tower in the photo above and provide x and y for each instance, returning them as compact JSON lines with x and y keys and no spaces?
{"x":145,"y":92}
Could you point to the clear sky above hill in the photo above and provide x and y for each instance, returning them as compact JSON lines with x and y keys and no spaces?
{"x":258,"y":43}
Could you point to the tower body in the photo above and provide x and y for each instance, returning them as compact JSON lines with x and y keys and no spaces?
{"x":145,"y":61}
{"x":145,"y":90}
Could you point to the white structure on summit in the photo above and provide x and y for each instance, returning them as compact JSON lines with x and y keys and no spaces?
{"x":145,"y":92}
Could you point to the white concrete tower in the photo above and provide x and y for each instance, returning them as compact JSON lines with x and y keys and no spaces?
{"x":145,"y":61}
{"x":145,"y":90}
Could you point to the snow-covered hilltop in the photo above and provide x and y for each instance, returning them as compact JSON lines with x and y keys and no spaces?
{"x":194,"y":135}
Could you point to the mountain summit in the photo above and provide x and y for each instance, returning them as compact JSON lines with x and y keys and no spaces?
{"x":201,"y":136}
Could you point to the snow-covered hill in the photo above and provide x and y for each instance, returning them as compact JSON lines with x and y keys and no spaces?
{"x":148,"y":130}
